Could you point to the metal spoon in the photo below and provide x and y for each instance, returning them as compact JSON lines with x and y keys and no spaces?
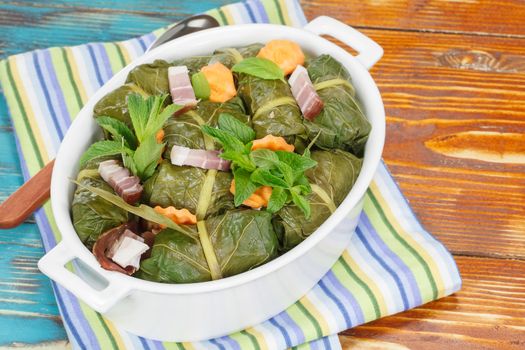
{"x":187,"y":26}
{"x":35,"y":192}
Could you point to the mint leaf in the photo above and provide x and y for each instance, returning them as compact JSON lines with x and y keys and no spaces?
{"x":127,"y":159}
{"x":229,"y":142}
{"x":248,"y":147}
{"x":302,"y":203}
{"x":146,"y":157}
{"x":101,"y":149}
{"x":287,"y":173}
{"x":201,"y":87}
{"x":157,"y":118}
{"x":227,"y":122}
{"x":259,"y":67}
{"x":139,"y":112}
{"x":307,"y":153}
{"x":277,"y":199}
{"x":118,"y":130}
{"x":147,"y":115}
{"x":239,"y":159}
{"x":296,"y":161}
{"x":244,"y":187}
{"x":264,"y":158}
{"x":302,"y":183}
{"x":266,"y":178}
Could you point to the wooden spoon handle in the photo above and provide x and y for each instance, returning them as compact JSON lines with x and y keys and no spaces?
{"x":24,"y":201}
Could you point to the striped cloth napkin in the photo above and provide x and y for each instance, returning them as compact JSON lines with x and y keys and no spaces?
{"x":391,"y":265}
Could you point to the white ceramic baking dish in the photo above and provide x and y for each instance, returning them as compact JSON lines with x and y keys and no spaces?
{"x":191,"y":312}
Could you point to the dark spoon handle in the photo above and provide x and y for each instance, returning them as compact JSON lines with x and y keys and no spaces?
{"x":31,"y":195}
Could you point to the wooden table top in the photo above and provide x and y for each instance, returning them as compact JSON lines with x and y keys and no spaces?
{"x":453,"y":83}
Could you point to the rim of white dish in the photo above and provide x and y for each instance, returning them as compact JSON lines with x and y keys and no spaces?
{"x":370,"y":162}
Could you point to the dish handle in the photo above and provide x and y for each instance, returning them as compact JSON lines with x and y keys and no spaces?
{"x":53,"y":265}
{"x":369,"y":52}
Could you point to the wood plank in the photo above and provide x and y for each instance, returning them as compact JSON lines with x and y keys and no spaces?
{"x":488,"y":313}
{"x":26,"y":298}
{"x":31,"y":25}
{"x":455,"y":135}
{"x":10,"y":175}
{"x":55,"y":345}
{"x":502,"y":17}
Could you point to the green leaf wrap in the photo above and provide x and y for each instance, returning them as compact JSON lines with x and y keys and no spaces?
{"x":335,"y":174}
{"x":341,"y":123}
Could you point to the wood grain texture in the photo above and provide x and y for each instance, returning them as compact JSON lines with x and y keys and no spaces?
{"x":27,"y":198}
{"x":468,"y":190}
{"x":488,"y":313}
{"x":28,"y":311}
{"x":64,"y":23}
{"x":483,"y":17}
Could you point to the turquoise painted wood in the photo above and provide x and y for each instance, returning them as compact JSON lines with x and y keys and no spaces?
{"x":28,"y":312}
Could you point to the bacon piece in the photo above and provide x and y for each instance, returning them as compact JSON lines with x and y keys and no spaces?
{"x":304,"y":93}
{"x":125,"y":185}
{"x":198,"y":158}
{"x":149,"y":239}
{"x":128,"y":251}
{"x":108,"y":244}
{"x":180,"y":86}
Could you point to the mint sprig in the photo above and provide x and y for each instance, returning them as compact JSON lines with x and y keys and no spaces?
{"x":260,"y":67}
{"x":283,"y":171}
{"x":139,"y":148}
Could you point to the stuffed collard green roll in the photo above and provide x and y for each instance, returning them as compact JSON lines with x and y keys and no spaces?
{"x":203,"y":192}
{"x":115,"y":103}
{"x":91,"y":214}
{"x":273,"y":108}
{"x":185,"y":130}
{"x":240,"y":240}
{"x":152,"y":78}
{"x":341,"y":123}
{"x":331,"y":180}
{"x":231,"y":56}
